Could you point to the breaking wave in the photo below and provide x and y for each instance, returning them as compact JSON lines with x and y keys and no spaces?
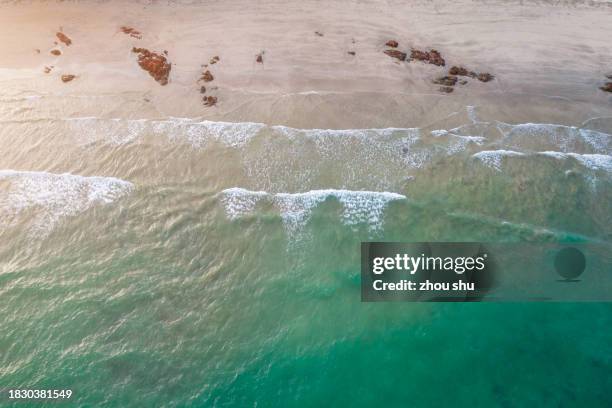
{"x":48,"y":198}
{"x":358,"y":207}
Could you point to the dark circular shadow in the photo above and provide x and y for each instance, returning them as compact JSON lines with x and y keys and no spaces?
{"x":570,"y":262}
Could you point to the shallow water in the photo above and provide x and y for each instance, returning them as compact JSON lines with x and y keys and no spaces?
{"x":194,"y":262}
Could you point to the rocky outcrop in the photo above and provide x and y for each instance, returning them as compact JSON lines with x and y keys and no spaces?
{"x":155,"y":64}
{"x":396,"y":54}
{"x":430,"y":57}
{"x":207,"y":76}
{"x":462,"y":71}
{"x":209,"y":100}
{"x":63,"y":38}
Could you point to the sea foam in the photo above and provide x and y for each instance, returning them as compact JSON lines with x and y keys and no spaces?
{"x":48,"y":198}
{"x":358,"y":207}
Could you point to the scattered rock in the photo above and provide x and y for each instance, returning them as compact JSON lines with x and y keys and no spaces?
{"x":214,"y":60}
{"x":207,"y":76}
{"x":396,"y":54}
{"x":132,"y":32}
{"x":68,"y":77}
{"x":48,"y":69}
{"x":351,"y":53}
{"x":392,"y":43}
{"x":210,"y":100}
{"x":63,"y":38}
{"x":319,"y":33}
{"x":155,"y":64}
{"x":446,"y":80}
{"x":259,"y":58}
{"x":431,"y":57}
{"x":607,"y":87}
{"x":446,"y":89}
{"x":56,"y":52}
{"x":485,"y":77}
{"x":461,"y":71}
{"x":202,"y":89}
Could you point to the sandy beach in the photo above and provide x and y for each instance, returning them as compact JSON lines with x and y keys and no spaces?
{"x":308,"y":80}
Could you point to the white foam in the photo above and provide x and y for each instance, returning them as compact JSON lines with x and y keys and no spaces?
{"x":358,"y":207}
{"x":239,"y":202}
{"x":48,"y":197}
{"x":493,"y":158}
{"x":593,"y":162}
{"x":564,"y":138}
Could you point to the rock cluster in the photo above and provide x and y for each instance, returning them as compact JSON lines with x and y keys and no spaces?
{"x":155,"y":64}
{"x":207,"y":76}
{"x":431,"y":57}
{"x":461,"y":71}
{"x":450,"y":80}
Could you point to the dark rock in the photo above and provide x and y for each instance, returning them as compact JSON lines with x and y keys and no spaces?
{"x":56,"y":52}
{"x":485,"y":77}
{"x":463,"y":82}
{"x":155,"y":64}
{"x":446,"y":80}
{"x":214,"y":60}
{"x":207,"y":76}
{"x":607,"y":87}
{"x":319,"y":33}
{"x":202,"y":89}
{"x":68,"y":78}
{"x":351,"y":53}
{"x":259,"y":58}
{"x":132,"y":32}
{"x":63,"y":38}
{"x":210,"y":100}
{"x":609,"y":76}
{"x":446,"y":89}
{"x":461,"y":71}
{"x":48,"y":69}
{"x":396,"y":54}
{"x":431,"y":57}
{"x":392,"y":43}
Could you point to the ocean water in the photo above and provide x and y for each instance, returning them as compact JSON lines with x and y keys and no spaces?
{"x":187,"y":262}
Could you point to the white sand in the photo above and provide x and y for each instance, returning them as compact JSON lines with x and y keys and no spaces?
{"x":548,"y":60}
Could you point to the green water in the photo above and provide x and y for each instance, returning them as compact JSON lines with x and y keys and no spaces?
{"x":163,"y":301}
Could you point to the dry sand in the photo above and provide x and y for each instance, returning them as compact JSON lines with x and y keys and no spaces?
{"x":548,"y":60}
